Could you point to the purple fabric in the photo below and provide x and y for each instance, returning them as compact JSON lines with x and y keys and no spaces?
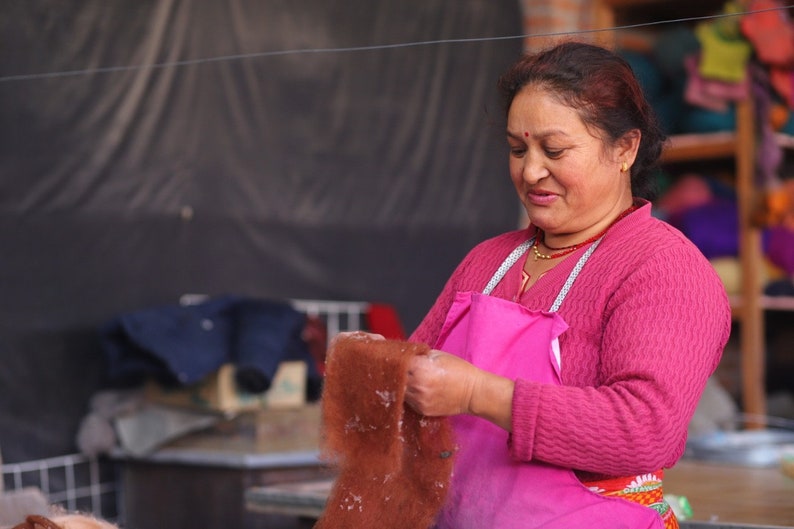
{"x":713,"y":228}
{"x":769,"y":154}
{"x":780,"y":248}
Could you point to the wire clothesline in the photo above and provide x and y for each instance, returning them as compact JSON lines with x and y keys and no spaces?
{"x":348,"y":49}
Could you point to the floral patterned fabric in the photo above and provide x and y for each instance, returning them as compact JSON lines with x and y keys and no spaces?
{"x":645,"y":489}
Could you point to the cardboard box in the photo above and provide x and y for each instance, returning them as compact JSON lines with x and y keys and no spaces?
{"x":219,"y":392}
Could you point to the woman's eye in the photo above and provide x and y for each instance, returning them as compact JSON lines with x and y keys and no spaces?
{"x":517,"y":151}
{"x":553,"y":153}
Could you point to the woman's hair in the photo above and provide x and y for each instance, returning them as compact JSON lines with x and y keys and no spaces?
{"x":603,"y":89}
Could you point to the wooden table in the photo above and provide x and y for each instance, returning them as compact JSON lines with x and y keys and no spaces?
{"x":727,"y":494}
{"x":262,"y":471}
{"x":721,"y":496}
{"x":199,"y":481}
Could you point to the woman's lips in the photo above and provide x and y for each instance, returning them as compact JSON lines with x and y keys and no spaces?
{"x":541,"y":198}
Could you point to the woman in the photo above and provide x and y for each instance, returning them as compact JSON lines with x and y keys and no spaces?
{"x":572,"y":354}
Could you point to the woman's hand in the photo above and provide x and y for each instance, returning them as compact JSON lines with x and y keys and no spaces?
{"x":441,"y":384}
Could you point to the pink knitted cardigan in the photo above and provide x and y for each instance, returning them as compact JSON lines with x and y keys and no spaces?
{"x":648,"y":318}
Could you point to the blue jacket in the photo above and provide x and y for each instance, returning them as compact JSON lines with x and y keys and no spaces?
{"x":182,"y":344}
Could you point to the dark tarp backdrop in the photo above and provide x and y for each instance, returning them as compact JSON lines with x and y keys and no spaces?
{"x":151,"y":148}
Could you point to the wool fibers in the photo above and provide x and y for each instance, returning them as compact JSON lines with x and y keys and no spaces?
{"x":394,"y":465}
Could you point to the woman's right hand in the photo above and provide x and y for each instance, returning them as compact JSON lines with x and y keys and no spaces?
{"x":440,"y":384}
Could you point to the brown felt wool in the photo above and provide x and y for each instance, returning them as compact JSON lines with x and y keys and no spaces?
{"x":394,"y":464}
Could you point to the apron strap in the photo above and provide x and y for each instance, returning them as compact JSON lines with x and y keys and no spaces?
{"x":573,"y":275}
{"x":509,"y":261}
{"x":520,"y":250}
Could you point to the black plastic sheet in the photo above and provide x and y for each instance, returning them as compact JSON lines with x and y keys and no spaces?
{"x":150,"y":149}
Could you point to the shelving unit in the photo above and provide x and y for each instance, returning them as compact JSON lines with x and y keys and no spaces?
{"x":749,"y":306}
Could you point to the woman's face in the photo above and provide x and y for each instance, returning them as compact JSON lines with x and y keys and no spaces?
{"x":568,"y":179}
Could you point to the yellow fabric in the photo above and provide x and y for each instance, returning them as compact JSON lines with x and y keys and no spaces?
{"x":722,"y":58}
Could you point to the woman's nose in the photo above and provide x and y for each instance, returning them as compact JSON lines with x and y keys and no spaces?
{"x":534,"y":170}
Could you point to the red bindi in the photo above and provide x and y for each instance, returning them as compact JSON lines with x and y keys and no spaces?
{"x":526,"y":134}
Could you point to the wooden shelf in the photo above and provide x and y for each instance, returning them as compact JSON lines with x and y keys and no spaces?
{"x":777,"y":302}
{"x":645,"y":16}
{"x":709,"y":146}
{"x":738,"y":147}
{"x":781,"y":303}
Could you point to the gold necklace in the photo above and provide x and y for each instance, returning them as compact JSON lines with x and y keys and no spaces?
{"x":572,"y":248}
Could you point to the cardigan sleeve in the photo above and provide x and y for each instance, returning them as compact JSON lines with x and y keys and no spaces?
{"x":664,"y":326}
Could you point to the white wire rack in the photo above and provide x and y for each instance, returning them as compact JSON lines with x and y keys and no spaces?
{"x":80,"y":483}
{"x":76,"y":482}
{"x":337,"y":315}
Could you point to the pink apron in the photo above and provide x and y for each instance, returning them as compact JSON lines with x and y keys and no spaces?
{"x":490,"y":489}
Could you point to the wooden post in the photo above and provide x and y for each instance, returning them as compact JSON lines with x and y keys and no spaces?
{"x":751,"y":259}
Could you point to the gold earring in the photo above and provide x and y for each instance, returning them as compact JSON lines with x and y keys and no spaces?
{"x":624,"y":167}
